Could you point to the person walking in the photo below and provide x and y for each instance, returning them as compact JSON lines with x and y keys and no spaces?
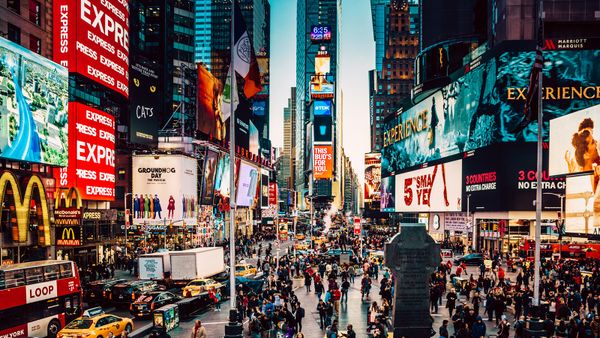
{"x":299,"y":314}
{"x":345,"y":288}
{"x":307,"y":281}
{"x":198,"y":331}
{"x":451,"y":301}
{"x":322,"y":309}
{"x":444,"y":329}
{"x":478,"y":329}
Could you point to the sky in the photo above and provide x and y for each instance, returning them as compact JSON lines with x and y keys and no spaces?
{"x":357,"y":58}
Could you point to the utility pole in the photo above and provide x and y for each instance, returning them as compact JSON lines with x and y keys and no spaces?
{"x":126,"y":220}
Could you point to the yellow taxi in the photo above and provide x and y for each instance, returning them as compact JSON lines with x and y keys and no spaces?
{"x":197,"y":286}
{"x":300,"y":237}
{"x":303,"y":246}
{"x":96,"y":324}
{"x":320,"y":240}
{"x":244,"y":270}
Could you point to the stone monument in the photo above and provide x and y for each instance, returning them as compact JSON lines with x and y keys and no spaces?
{"x":412,"y":255}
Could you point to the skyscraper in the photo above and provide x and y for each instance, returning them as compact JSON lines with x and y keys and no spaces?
{"x":395,"y":79}
{"x":317,"y":61}
{"x":289,"y":142}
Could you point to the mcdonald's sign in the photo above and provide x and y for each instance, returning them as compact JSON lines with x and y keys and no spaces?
{"x":68,"y":236}
{"x":22,"y":206}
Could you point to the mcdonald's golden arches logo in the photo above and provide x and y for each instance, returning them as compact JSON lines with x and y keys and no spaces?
{"x":69,"y":236}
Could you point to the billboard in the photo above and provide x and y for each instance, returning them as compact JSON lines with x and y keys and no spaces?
{"x":388,"y":192}
{"x":33,"y":107}
{"x":273,"y":193}
{"x":434,"y":188}
{"x":222,"y":189}
{"x":264,"y":189}
{"x":323,"y":126}
{"x":503,"y":177}
{"x":485,"y":105}
{"x":322,"y":64}
{"x":165,"y":189}
{"x":247,"y":180}
{"x":323,"y":161}
{"x":582,"y":205}
{"x":254,"y":139}
{"x":145,"y":102}
{"x":209,"y":175}
{"x":209,"y":117}
{"x":319,"y":90}
{"x":320,"y":33}
{"x":573,"y":139}
{"x":92,"y":38}
{"x":372,"y":177}
{"x":322,"y":107}
{"x":92,"y":153}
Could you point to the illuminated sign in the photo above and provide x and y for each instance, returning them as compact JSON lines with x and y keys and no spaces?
{"x":320,"y":90}
{"x":323,"y":161}
{"x":92,"y":38}
{"x":320,"y":33}
{"x":92,"y":153}
{"x":33,"y":107}
{"x":372,"y":177}
{"x":145,"y":103}
{"x":68,"y":236}
{"x":67,"y":216}
{"x":322,"y":64}
{"x":23,"y":204}
{"x":322,"y":107}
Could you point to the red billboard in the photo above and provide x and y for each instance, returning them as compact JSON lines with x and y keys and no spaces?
{"x":272,"y":193}
{"x":92,"y":38}
{"x":91,"y":154}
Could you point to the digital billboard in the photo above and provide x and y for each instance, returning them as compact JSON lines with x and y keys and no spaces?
{"x":388,"y":192}
{"x":33,"y":107}
{"x":208,"y":185}
{"x":322,"y":107}
{"x":320,"y":33}
{"x":573,"y":139}
{"x":323,"y":126}
{"x":222,"y":189}
{"x":92,"y":154}
{"x":165,"y":189}
{"x":322,"y":64}
{"x":264,"y":189}
{"x":247,"y":181}
{"x":254,"y":139}
{"x":434,"y":188}
{"x":582,"y":206}
{"x":145,"y":102}
{"x":209,"y":117}
{"x":92,"y":38}
{"x":485,"y":106}
{"x":503,"y":177}
{"x":372,"y":177}
{"x":320,"y":90}
{"x":323,"y":161}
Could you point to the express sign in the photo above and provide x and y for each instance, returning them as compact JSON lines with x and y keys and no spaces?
{"x":92,"y":153}
{"x":91,"y":38}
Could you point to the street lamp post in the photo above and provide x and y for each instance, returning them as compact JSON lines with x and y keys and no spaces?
{"x":125,"y":211}
{"x":559,"y":228}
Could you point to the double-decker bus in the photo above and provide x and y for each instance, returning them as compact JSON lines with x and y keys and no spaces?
{"x":37,"y":299}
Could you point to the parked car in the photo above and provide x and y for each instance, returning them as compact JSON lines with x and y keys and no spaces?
{"x":96,"y":292}
{"x":470,"y":259}
{"x":149,"y":301}
{"x":127,"y":292}
{"x":245,"y":270}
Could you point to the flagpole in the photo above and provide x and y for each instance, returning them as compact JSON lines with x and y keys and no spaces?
{"x":232,"y":200}
{"x":538,"y":190}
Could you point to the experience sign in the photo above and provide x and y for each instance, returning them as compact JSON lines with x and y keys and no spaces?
{"x":91,"y":38}
{"x":91,"y":153}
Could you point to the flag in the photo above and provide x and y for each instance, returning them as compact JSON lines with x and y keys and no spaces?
{"x":227,"y":91}
{"x":531,"y":98}
{"x":243,"y":55}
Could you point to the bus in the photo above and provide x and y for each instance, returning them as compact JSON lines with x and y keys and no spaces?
{"x":37,"y":299}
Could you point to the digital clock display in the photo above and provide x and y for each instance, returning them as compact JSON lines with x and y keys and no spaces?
{"x":320,"y":33}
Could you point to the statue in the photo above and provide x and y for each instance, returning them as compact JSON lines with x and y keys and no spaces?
{"x":413,"y":256}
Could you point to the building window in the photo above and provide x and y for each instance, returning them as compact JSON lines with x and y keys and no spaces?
{"x":35,"y":12}
{"x":14,"y":33}
{"x":14,"y":5}
{"x":35,"y":44}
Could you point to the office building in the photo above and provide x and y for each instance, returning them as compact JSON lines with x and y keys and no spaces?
{"x":29,"y":24}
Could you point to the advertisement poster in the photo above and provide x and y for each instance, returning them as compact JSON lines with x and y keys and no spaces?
{"x":320,"y":90}
{"x":388,"y":190}
{"x":456,"y":221}
{"x":208,"y":185}
{"x":323,"y":162}
{"x":247,"y":181}
{"x":165,"y":189}
{"x":485,"y":106}
{"x":222,"y":189}
{"x":322,"y":64}
{"x":92,"y":154}
{"x":33,"y":105}
{"x":321,"y":107}
{"x":264,"y":189}
{"x":254,"y":142}
{"x":323,"y":129}
{"x":92,"y":38}
{"x":503,"y":177}
{"x":582,"y":205}
{"x":372,"y":177}
{"x":273,"y":193}
{"x":435,"y":188}
{"x":320,"y":33}
{"x":283,"y":231}
{"x":209,"y":117}
{"x":145,"y":99}
{"x":573,"y":141}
